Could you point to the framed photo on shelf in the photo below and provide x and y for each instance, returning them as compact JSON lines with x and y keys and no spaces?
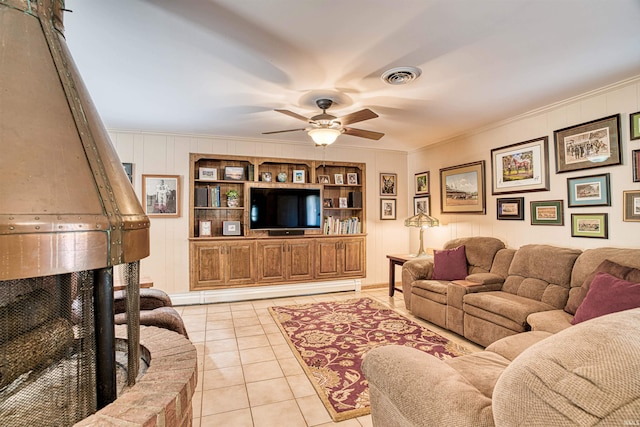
{"x":589,"y":145}
{"x":342,"y":202}
{"x":511,"y":208}
{"x":590,"y":190}
{"x":204,"y":228}
{"x":422,"y":183}
{"x":547,"y":212}
{"x":161,"y":195}
{"x":634,"y":126}
{"x":590,"y":225}
{"x":234,"y":173}
{"x":422,"y":204}
{"x":387,"y":209}
{"x":231,"y":228}
{"x":338,"y":179}
{"x":324,"y":179}
{"x":298,"y":176}
{"x":636,"y":165}
{"x":631,"y":201}
{"x":207,"y":174}
{"x":266,"y":176}
{"x":388,"y":184}
{"x":352,"y":178}
{"x":327,"y":203}
{"x":462,"y":188}
{"x":520,"y":167}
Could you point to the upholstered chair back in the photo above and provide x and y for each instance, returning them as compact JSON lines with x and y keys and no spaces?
{"x":542,"y":273}
{"x":480,"y":251}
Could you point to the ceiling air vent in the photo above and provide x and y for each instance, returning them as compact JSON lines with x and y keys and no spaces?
{"x":401,"y":75}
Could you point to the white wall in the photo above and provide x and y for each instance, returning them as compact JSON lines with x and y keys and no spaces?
{"x":168,"y":263}
{"x":623,"y":98}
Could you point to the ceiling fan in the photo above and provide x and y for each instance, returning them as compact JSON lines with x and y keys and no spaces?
{"x":325,"y":128}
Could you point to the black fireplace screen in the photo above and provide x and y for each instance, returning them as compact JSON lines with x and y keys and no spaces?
{"x":47,"y":350}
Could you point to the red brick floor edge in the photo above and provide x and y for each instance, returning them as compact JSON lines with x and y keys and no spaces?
{"x":162,"y":397}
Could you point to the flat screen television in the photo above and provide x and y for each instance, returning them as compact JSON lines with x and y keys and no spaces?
{"x":280,"y":208}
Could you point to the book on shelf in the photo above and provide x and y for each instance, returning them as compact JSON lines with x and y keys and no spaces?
{"x":215,"y":196}
{"x":202,"y":197}
{"x":250,"y":172}
{"x":342,"y":226}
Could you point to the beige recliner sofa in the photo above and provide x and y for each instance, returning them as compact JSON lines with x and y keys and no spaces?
{"x":588,"y":374}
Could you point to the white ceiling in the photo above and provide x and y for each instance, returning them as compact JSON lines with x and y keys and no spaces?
{"x":221,"y":67}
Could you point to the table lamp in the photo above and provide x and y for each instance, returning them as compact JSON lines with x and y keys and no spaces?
{"x":421,"y":220}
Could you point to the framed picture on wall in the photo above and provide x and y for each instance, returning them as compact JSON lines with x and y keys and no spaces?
{"x":422,"y":183}
{"x":634,"y":125}
{"x":388,"y":184}
{"x":462,"y":188}
{"x":590,"y":225}
{"x":589,"y":145}
{"x":511,"y":208}
{"x":521,"y":167}
{"x":547,"y":212}
{"x":422,"y":204}
{"x":590,"y":190}
{"x":631,"y":200}
{"x":387,"y":208}
{"x":636,"y":165}
{"x":161,"y":195}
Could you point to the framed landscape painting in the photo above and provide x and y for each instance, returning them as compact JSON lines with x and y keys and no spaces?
{"x":547,"y":212}
{"x":590,"y":225}
{"x":590,"y":190}
{"x":589,"y":145}
{"x":521,"y":167}
{"x":462,"y":188}
{"x":634,"y":125}
{"x":510,"y":208}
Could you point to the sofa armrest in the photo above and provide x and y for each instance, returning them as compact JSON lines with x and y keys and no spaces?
{"x":552,"y":321}
{"x":485,"y":278}
{"x":412,"y":270}
{"x":408,"y":387}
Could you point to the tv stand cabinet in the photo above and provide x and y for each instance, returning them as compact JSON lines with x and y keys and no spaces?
{"x":219,"y":260}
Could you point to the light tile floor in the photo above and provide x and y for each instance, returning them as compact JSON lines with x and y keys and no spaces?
{"x":248,"y":375}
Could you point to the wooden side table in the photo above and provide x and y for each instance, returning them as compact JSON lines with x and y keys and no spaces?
{"x":393,"y":261}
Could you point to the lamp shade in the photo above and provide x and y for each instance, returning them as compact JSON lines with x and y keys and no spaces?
{"x":324,"y":136}
{"x":421,"y":220}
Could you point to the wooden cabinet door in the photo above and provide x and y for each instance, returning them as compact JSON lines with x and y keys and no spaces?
{"x":240,"y":260}
{"x":271,"y":261}
{"x":207,"y":265}
{"x":327,"y":258}
{"x":352,"y":251}
{"x":300,"y":256}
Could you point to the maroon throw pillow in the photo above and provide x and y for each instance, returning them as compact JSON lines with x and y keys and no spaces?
{"x":450,"y":264}
{"x":607,"y":294}
{"x":577,"y":295}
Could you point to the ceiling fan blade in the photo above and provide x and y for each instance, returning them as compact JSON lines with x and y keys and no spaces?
{"x":294,"y":115}
{"x":363,"y":133}
{"x":358,"y":116}
{"x":281,"y":131}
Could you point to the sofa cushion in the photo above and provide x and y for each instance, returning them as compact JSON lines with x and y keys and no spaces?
{"x":480,"y":251}
{"x":481,"y":369}
{"x":511,"y":347}
{"x":607,"y":295}
{"x":502,"y":308}
{"x":542,"y":273}
{"x":431,"y":289}
{"x":449,"y":264}
{"x":577,"y":295}
{"x":552,"y":321}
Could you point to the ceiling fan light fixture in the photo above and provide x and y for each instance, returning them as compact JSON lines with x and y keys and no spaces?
{"x":324,"y":136}
{"x":401,"y":75}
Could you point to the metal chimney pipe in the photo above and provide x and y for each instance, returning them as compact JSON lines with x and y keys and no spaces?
{"x":65,"y":203}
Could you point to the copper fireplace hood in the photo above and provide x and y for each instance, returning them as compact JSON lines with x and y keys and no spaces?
{"x":66,"y":204}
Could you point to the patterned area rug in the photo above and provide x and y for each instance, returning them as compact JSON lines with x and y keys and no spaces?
{"x":331,"y":338}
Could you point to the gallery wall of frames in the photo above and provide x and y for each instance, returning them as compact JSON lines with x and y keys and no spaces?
{"x":530,"y":182}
